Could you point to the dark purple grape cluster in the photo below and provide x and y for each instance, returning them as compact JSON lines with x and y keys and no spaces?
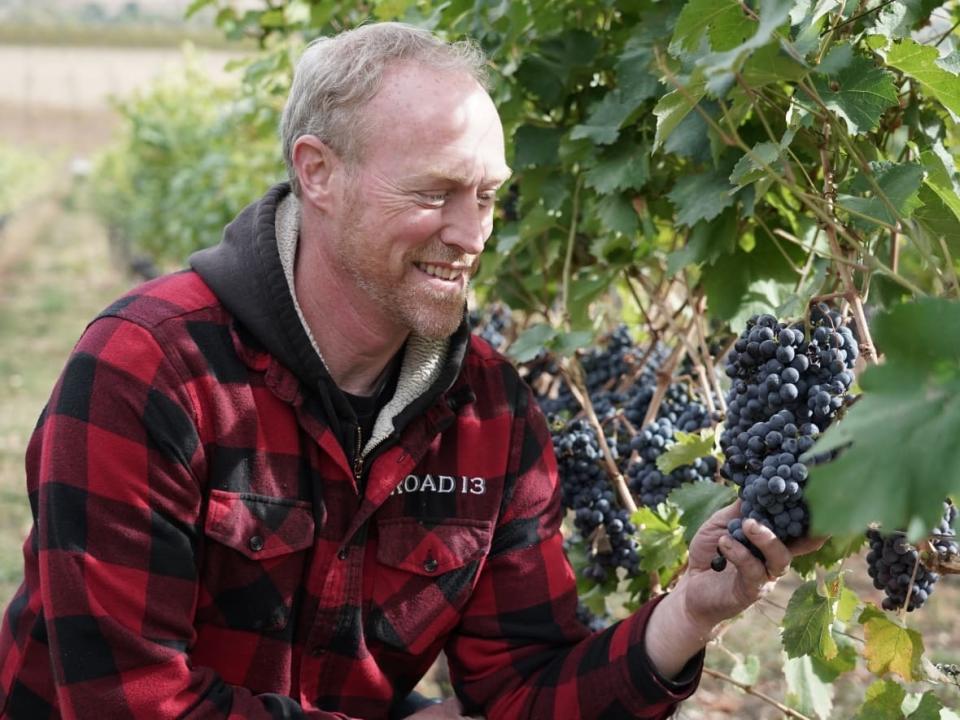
{"x":493,"y":324}
{"x":892,"y":559}
{"x":593,"y":622}
{"x":586,"y":490}
{"x":788,"y":384}
{"x":647,"y":482}
{"x":612,"y":362}
{"x":943,"y":539}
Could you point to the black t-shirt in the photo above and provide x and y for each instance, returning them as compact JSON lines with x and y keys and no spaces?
{"x":367,"y":407}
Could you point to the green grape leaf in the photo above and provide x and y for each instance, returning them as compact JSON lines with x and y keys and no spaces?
{"x":806,"y":691}
{"x":531,"y":342}
{"x":722,"y":21}
{"x":675,"y":105}
{"x":891,"y":647}
{"x":750,"y":167}
{"x":607,"y":117}
{"x":661,"y":538}
{"x":903,"y":430}
{"x":719,"y":67}
{"x":627,"y":165}
{"x":928,"y":709}
{"x":883,"y":701}
{"x":925,"y":334}
{"x":547,"y":70}
{"x":634,"y":76}
{"x":835,"y":61}
{"x":691,"y":137}
{"x":771,"y":64}
{"x":700,"y":197}
{"x":919,"y":62}
{"x":837,"y":548}
{"x":845,"y":661}
{"x":707,"y":242}
{"x":567,"y":343}
{"x":903,"y":435}
{"x":698,"y":501}
{"x":807,"y":622}
{"x":738,"y":282}
{"x":900,"y":184}
{"x":746,"y":671}
{"x":894,"y":21}
{"x":617,"y":214}
{"x":594,"y":599}
{"x":938,"y":218}
{"x":686,"y":448}
{"x":535,"y":145}
{"x":859,"y":93}
{"x":846,"y":600}
{"x":940,"y":215}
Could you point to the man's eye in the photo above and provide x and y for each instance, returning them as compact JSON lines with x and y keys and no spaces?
{"x":433,"y":198}
{"x":487,"y":198}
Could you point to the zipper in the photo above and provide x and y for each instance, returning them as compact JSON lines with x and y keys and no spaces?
{"x":358,"y":456}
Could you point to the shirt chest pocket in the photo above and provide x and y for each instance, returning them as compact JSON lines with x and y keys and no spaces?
{"x":425,"y":572}
{"x":256,"y":552}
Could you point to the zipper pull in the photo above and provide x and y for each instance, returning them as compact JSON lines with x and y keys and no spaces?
{"x":358,"y":455}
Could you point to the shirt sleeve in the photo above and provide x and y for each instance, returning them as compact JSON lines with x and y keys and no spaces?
{"x":113,"y":469}
{"x":519,"y":651}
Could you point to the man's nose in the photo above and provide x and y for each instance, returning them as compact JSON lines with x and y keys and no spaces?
{"x":467,"y":225}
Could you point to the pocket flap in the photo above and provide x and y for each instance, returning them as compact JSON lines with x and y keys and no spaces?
{"x":431,"y":547}
{"x":258,"y":526}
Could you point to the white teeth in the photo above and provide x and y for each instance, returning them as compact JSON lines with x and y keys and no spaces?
{"x":440,"y":272}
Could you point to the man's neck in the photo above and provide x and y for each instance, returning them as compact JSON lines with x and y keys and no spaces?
{"x":356,"y":341}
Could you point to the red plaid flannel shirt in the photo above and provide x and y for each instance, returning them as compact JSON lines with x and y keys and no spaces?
{"x":199,"y":547}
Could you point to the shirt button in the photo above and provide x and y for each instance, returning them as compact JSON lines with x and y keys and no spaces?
{"x":430,"y":565}
{"x":255,"y":543}
{"x":342,"y":555}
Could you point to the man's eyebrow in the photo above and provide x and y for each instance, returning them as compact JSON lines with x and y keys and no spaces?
{"x":439,"y":175}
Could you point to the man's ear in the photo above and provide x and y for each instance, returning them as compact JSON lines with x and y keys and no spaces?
{"x":316,"y":164}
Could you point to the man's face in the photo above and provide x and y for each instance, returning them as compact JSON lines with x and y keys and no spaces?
{"x":418,"y":206}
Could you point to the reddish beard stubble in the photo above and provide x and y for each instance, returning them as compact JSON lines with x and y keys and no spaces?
{"x":415,"y":306}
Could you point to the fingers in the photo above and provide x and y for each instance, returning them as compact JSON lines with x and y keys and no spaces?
{"x":752,"y":572}
{"x":776,"y":555}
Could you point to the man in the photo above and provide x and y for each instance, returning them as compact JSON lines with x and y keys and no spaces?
{"x":278,"y":484}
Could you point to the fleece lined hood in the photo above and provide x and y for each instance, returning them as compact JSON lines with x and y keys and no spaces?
{"x":251,"y":272}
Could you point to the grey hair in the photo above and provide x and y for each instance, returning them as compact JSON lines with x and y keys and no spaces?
{"x":337,"y":76}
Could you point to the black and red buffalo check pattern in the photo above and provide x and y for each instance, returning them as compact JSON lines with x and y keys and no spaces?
{"x":199,"y":548}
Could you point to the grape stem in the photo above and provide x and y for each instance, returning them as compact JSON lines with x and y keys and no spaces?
{"x":913,"y":578}
{"x":937,"y":563}
{"x":708,"y":361}
{"x":573,"y":373}
{"x":685,"y":346}
{"x":696,"y":353}
{"x":829,"y":194}
{"x":664,"y":376}
{"x":750,"y":690}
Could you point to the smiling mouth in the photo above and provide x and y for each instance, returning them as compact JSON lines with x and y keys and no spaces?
{"x":438,"y":271}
